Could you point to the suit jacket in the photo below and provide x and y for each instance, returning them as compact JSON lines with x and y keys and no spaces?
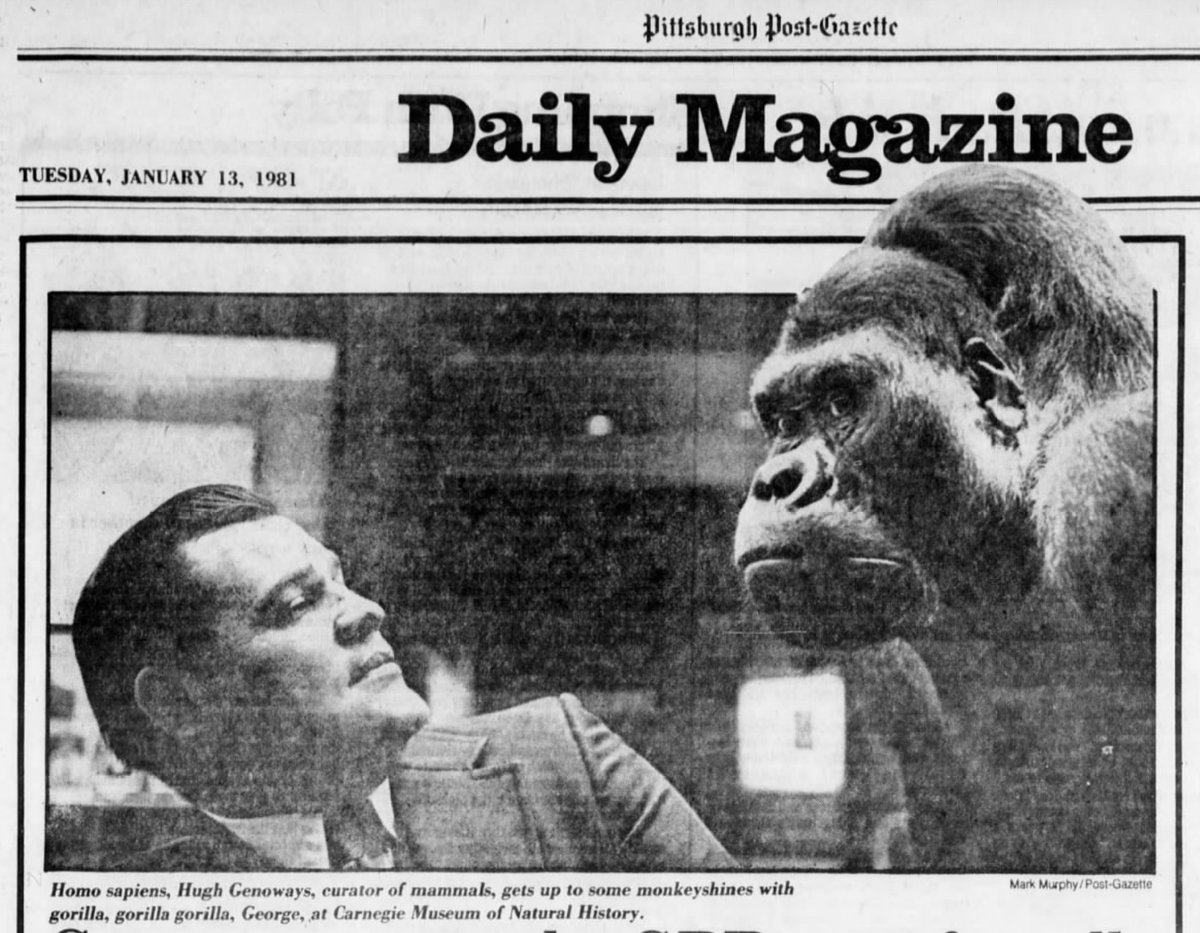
{"x":544,"y":785}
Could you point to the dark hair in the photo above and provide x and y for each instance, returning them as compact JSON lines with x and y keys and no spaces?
{"x":139,"y":607}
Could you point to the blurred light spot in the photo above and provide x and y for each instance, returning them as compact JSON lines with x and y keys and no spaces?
{"x":600,"y":426}
{"x":745,"y":420}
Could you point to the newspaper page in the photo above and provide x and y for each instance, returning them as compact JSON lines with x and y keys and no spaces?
{"x":599,"y":467}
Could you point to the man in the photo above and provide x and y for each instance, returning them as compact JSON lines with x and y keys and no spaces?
{"x":222,"y":651}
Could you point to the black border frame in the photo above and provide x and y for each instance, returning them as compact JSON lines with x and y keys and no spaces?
{"x":1178,"y":240}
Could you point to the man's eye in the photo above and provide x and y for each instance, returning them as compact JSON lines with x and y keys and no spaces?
{"x":299,"y":604}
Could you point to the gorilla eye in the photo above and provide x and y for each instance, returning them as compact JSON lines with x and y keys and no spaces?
{"x":840,"y":403}
{"x":788,"y":424}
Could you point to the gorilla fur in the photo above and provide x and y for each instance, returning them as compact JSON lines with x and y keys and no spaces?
{"x":1069,"y":307}
{"x":993,"y":257}
{"x":961,"y":422}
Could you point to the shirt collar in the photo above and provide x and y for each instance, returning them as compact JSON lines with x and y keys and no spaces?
{"x":297,"y":840}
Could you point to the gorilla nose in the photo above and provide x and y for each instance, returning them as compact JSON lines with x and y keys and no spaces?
{"x":795,"y":478}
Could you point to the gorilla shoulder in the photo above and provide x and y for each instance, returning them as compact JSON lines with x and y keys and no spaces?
{"x":1095,"y":510}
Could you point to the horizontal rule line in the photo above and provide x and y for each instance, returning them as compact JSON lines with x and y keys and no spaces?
{"x":615,"y":58}
{"x":546,"y":50}
{"x":421,"y":239}
{"x":783,"y":202}
{"x":197,"y":199}
{"x":540,"y":239}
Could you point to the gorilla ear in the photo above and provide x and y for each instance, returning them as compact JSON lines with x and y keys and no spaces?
{"x":995,"y":385}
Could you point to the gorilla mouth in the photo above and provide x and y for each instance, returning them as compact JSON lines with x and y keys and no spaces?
{"x":831,"y":601}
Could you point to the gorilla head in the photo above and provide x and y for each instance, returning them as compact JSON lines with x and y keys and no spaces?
{"x":959,"y":419}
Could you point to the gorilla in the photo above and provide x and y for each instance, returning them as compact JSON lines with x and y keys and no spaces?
{"x":959,"y":489}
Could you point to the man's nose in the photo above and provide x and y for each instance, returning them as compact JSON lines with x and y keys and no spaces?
{"x":358,"y":620}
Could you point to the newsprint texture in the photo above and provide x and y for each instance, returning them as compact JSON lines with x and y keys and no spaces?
{"x":602,"y":467}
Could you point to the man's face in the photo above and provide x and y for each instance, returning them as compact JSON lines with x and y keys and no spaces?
{"x":299,"y":681}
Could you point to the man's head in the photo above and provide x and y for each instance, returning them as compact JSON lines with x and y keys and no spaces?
{"x":222,"y":650}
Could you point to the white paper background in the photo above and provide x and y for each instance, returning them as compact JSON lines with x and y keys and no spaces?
{"x":337,"y":127}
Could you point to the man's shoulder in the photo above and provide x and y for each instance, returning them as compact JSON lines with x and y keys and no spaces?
{"x":553,"y":712}
{"x":534,"y":728}
{"x":207,"y":847}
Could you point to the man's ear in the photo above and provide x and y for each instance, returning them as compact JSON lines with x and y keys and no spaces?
{"x":995,"y":385}
{"x":162,"y":694}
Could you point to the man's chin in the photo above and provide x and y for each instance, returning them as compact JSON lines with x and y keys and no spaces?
{"x":385,"y":692}
{"x":377,"y":730}
{"x":403,"y":712}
